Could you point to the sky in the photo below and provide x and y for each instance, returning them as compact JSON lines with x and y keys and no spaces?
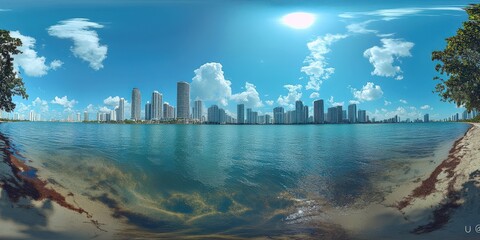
{"x":83,"y":56}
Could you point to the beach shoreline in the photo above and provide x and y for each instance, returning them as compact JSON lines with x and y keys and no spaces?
{"x":420,"y":209}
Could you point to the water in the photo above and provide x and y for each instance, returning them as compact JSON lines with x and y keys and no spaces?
{"x":225,"y":180}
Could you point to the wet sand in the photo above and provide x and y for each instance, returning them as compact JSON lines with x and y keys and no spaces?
{"x":424,"y":208}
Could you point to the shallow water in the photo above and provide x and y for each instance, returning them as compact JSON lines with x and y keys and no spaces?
{"x":212,"y":180}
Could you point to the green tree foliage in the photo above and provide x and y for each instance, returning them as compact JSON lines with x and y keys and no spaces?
{"x":459,"y":65}
{"x":11,"y":83}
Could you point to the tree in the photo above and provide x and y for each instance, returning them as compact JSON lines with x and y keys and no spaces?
{"x":460,"y":64}
{"x":11,"y":83}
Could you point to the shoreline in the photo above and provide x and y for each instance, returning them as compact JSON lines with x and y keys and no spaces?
{"x":60,"y":212}
{"x":423,"y":208}
{"x":419,"y":208}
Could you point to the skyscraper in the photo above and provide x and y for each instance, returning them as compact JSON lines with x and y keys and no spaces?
{"x":362,"y":116}
{"x":299,"y":115}
{"x":249,"y":116}
{"x":339,"y":114}
{"x":318,"y":111}
{"x":213,"y":115}
{"x":183,"y":100}
{"x":305,"y":114}
{"x":85,"y":116}
{"x":426,"y":118}
{"x":352,"y":113}
{"x":198,"y":110}
{"x":332,"y":115}
{"x":121,"y":110}
{"x":136,"y":105}
{"x":156,"y":106}
{"x":240,"y":114}
{"x":79,"y":118}
{"x":148,"y":111}
{"x":168,"y":111}
{"x":278,"y":115}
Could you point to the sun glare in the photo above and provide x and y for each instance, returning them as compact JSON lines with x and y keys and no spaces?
{"x":298,"y":20}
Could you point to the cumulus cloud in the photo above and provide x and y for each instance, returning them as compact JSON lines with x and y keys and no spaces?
{"x":249,"y":97}
{"x":294,"y":94}
{"x":90,"y":108}
{"x":386,"y":103}
{"x":382,"y":58}
{"x":316,"y":63}
{"x":314,"y":95}
{"x":354,"y":102}
{"x":86,"y":43}
{"x":403,"y":101}
{"x":111,"y":101}
{"x":269,"y":102}
{"x":32,"y":64}
{"x":209,"y":84}
{"x":426,"y":107}
{"x":333,"y":103}
{"x":43,"y":104}
{"x":64,"y":102}
{"x":369,"y":92}
{"x":105,"y":109}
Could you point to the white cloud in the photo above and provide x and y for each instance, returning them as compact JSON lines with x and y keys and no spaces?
{"x":403,"y":101}
{"x":317,"y":67}
{"x":426,"y":107}
{"x":269,"y":102}
{"x":394,"y":13}
{"x":314,"y":95}
{"x":112,"y":101}
{"x":354,"y":102}
{"x":386,"y":103}
{"x":369,"y":92}
{"x":105,"y":109}
{"x":333,"y":103}
{"x":28,"y":60}
{"x":64,"y":102}
{"x":249,"y":97}
{"x":294,"y":94}
{"x":43,"y":104}
{"x":90,"y":108}
{"x":382,"y":58}
{"x":22,"y":108}
{"x":209,"y":84}
{"x":400,"y":112}
{"x":361,"y":27}
{"x":86,"y":43}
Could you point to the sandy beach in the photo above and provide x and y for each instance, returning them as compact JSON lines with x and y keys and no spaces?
{"x":431,"y":203}
{"x":430,"y":207}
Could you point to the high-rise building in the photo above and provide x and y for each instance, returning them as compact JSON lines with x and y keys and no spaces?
{"x":318,"y":111}
{"x":249,"y":116}
{"x":148,"y":111}
{"x":426,"y":118}
{"x":240,"y":114}
{"x":198,"y":110}
{"x":85,"y":116}
{"x":79,"y":118}
{"x":305,"y":114}
{"x":332,"y":115}
{"x":157,"y":100}
{"x":136,"y":108}
{"x":299,"y":115}
{"x":213,"y":114}
{"x":183,"y":100}
{"x":113,"y":115}
{"x":121,"y":110}
{"x":268,"y":119}
{"x":254,"y":117}
{"x":340,"y":114}
{"x":278,"y":115}
{"x":168,"y":111}
{"x":344,"y":116}
{"x":362,"y":116}
{"x":352,"y":113}
{"x":32,"y":116}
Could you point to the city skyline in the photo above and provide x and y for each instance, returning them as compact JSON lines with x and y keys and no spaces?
{"x":376,"y":56}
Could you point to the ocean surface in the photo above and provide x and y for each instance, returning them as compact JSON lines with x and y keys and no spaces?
{"x":226,"y":180}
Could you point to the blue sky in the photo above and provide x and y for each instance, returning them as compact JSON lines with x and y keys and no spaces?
{"x":83,"y":56}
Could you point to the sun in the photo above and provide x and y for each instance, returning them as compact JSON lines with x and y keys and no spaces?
{"x":298,"y":20}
